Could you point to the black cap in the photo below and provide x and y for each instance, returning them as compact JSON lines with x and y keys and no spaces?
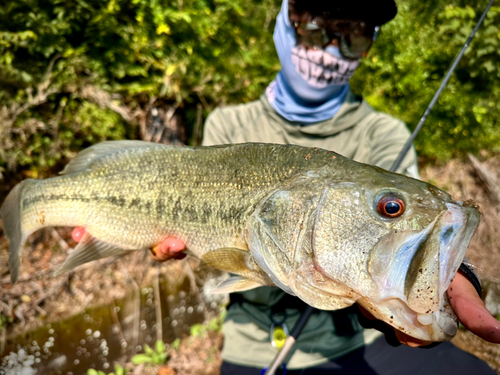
{"x":375,"y":12}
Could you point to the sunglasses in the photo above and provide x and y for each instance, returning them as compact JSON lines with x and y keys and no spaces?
{"x":355,"y":37}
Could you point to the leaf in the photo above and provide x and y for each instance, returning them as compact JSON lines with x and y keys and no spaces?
{"x":175,"y":345}
{"x":119,"y":370}
{"x":163,"y":358}
{"x":141,"y":358}
{"x":148,"y":350}
{"x":160,"y":346}
{"x":163,"y":29}
{"x":155,"y":358}
{"x":490,"y":66}
{"x":170,"y":69}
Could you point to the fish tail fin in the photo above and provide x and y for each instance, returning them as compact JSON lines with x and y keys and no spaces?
{"x":10,"y":212}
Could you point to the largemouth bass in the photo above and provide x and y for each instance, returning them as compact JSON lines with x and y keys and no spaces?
{"x":319,"y":226}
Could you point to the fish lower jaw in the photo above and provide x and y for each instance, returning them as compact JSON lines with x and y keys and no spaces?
{"x":440,"y":325}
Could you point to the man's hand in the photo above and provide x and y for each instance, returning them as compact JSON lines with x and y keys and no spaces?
{"x":471,"y":311}
{"x":170,"y":248}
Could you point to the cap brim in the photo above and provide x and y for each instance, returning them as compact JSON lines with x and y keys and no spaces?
{"x":376,"y":12}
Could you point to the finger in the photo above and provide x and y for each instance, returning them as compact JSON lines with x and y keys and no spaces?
{"x":412,"y":342}
{"x":366,"y":313}
{"x":170,"y":248}
{"x":78,"y":234}
{"x":471,"y":311}
{"x":157,"y":255}
{"x":172,"y":245}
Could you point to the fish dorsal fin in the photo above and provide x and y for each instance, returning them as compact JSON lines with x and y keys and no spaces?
{"x":87,"y":250}
{"x":235,"y":284}
{"x":85,"y":159}
{"x":236,"y":261}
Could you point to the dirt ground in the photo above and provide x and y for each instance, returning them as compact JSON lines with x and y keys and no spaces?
{"x":39,"y":297}
{"x":462,"y":182}
{"x":195,"y":356}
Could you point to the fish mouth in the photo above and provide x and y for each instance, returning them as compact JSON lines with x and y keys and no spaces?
{"x":458,"y":226}
{"x":413,"y":270}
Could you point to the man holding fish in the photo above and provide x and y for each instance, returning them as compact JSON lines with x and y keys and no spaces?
{"x":324,"y":228}
{"x":309,"y":103}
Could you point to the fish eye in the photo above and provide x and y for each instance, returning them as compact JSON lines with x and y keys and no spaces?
{"x":391,"y":206}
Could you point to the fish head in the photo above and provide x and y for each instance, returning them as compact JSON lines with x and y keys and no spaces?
{"x":397,"y":242}
{"x":389,"y":242}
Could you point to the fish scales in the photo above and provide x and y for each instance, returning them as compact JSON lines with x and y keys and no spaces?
{"x":167,"y":192}
{"x":319,"y":226}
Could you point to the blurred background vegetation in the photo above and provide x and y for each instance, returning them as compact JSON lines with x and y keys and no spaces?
{"x":75,"y":72}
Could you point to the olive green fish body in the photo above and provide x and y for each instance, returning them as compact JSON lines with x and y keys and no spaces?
{"x":134,"y":198}
{"x":315,"y":224}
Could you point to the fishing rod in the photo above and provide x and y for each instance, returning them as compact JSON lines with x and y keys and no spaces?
{"x":452,"y":68}
{"x":280,"y":357}
{"x":297,"y":329}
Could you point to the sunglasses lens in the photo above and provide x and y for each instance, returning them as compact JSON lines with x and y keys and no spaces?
{"x":354,"y":46}
{"x":311,"y":35}
{"x":353,"y":41}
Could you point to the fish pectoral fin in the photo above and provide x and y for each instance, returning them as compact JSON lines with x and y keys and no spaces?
{"x":230,"y":259}
{"x":87,"y":250}
{"x":235,"y":284}
{"x":87,"y":158}
{"x":237,"y":261}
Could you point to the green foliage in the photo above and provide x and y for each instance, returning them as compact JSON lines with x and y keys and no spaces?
{"x":119,"y":370}
{"x":4,"y":320}
{"x":156,"y":356}
{"x":175,"y":345}
{"x":215,"y":325}
{"x":76,"y":72}
{"x":409,"y":61}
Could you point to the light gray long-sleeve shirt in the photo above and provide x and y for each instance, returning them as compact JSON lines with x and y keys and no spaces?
{"x":357,"y":132}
